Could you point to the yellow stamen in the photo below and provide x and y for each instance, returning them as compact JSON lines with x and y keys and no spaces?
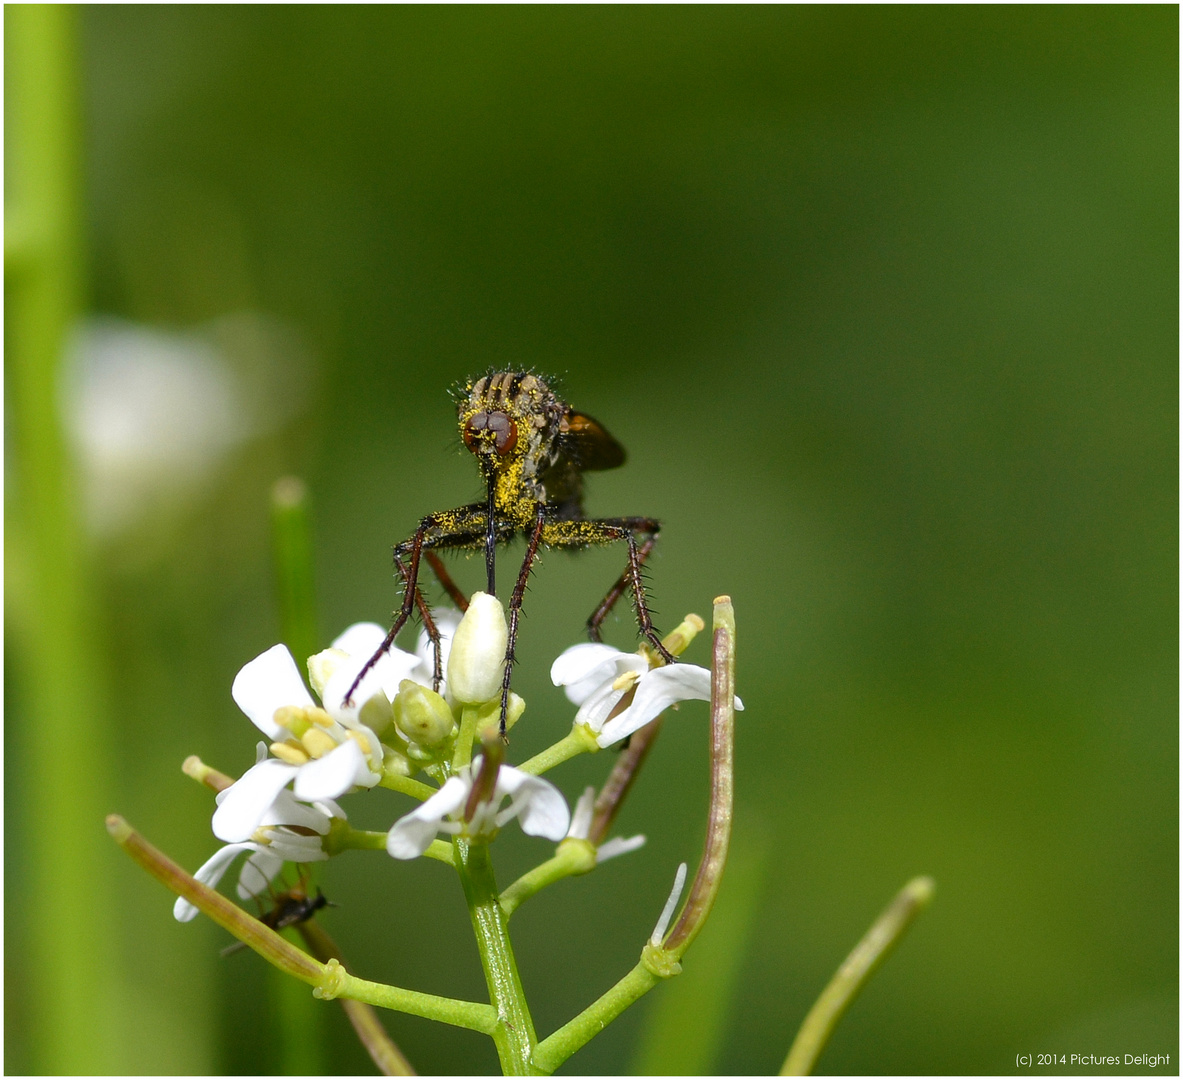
{"x":319,"y":716}
{"x":290,"y":752}
{"x":623,"y":682}
{"x":318,"y":743}
{"x":290,"y":716}
{"x":361,"y":740}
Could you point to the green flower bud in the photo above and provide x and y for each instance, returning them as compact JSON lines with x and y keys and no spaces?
{"x":476,"y":663}
{"x":421,"y":714}
{"x":489,"y":715}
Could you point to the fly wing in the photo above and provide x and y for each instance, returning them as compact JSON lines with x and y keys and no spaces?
{"x":587,"y":444}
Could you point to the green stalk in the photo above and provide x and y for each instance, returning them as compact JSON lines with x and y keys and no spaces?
{"x":852,"y":976}
{"x":579,"y":740}
{"x":573,"y":857}
{"x":514,"y":1035}
{"x":301,"y":1040}
{"x":71,"y":977}
{"x":292,"y":543}
{"x":556,"y":1048}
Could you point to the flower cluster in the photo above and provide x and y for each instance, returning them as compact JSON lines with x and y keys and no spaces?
{"x":396,"y":724}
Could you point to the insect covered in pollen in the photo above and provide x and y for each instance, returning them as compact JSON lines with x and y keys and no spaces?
{"x":532,"y":449}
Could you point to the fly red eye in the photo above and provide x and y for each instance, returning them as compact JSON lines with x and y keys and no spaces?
{"x":497,"y":424}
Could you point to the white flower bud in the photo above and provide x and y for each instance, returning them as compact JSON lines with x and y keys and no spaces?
{"x":476,"y":664}
{"x":421,"y":714}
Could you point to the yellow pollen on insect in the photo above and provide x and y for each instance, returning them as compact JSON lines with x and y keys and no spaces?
{"x":317,"y":742}
{"x":623,"y":682}
{"x":290,"y":752}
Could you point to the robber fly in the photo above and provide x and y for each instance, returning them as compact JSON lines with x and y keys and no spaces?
{"x":532,"y":449}
{"x":291,"y":907}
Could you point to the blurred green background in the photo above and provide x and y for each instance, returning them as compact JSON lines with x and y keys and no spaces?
{"x":883,"y":303}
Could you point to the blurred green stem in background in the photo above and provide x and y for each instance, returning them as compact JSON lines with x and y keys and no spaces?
{"x":852,"y":976}
{"x":70,"y":978}
{"x":298,"y":1015}
{"x":294,"y":577}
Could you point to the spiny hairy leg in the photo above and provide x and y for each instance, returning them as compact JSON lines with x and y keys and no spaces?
{"x":450,"y":529}
{"x":606,"y":531}
{"x":515,"y":610}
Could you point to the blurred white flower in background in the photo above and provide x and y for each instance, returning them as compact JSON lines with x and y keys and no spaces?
{"x":153,"y":412}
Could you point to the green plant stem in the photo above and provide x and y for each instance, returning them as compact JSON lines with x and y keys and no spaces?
{"x":580,"y":740}
{"x":714,"y":857}
{"x":415,"y":788}
{"x":298,"y":1018}
{"x":474,"y":1015}
{"x":573,"y":857}
{"x":469,"y":716}
{"x":291,"y":541}
{"x":514,"y":1035}
{"x":73,"y":990}
{"x":265,"y":941}
{"x":576,"y":1033}
{"x":852,"y":976}
{"x":329,"y":980}
{"x":367,"y":840}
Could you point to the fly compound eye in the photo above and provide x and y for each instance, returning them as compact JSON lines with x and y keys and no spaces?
{"x":503,"y":430}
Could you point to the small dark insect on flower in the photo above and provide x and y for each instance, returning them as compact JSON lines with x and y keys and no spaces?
{"x":532,"y":449}
{"x":290,"y":907}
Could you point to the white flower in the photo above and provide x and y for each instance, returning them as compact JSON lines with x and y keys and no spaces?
{"x":581,"y":819}
{"x":275,"y":844}
{"x":324,"y":756}
{"x":538,"y":804}
{"x":597,"y":677}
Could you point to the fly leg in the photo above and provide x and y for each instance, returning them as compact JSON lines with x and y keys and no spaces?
{"x":515,"y":610}
{"x":453,"y":529}
{"x":628,"y":529}
{"x":445,"y":579}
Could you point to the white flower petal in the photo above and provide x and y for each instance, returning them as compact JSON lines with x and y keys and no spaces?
{"x":413,"y":833}
{"x":330,"y":809}
{"x":380,"y":681}
{"x":267,"y":683}
{"x":332,"y":775}
{"x":295,"y":847}
{"x":244,"y":804}
{"x":656,"y":692}
{"x":581,"y":817}
{"x":582,"y":668}
{"x":618,"y":845}
{"x":257,"y":873}
{"x":210,"y":873}
{"x":288,"y":810}
{"x":596,"y":708}
{"x":360,"y":639}
{"x":537,"y":803}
